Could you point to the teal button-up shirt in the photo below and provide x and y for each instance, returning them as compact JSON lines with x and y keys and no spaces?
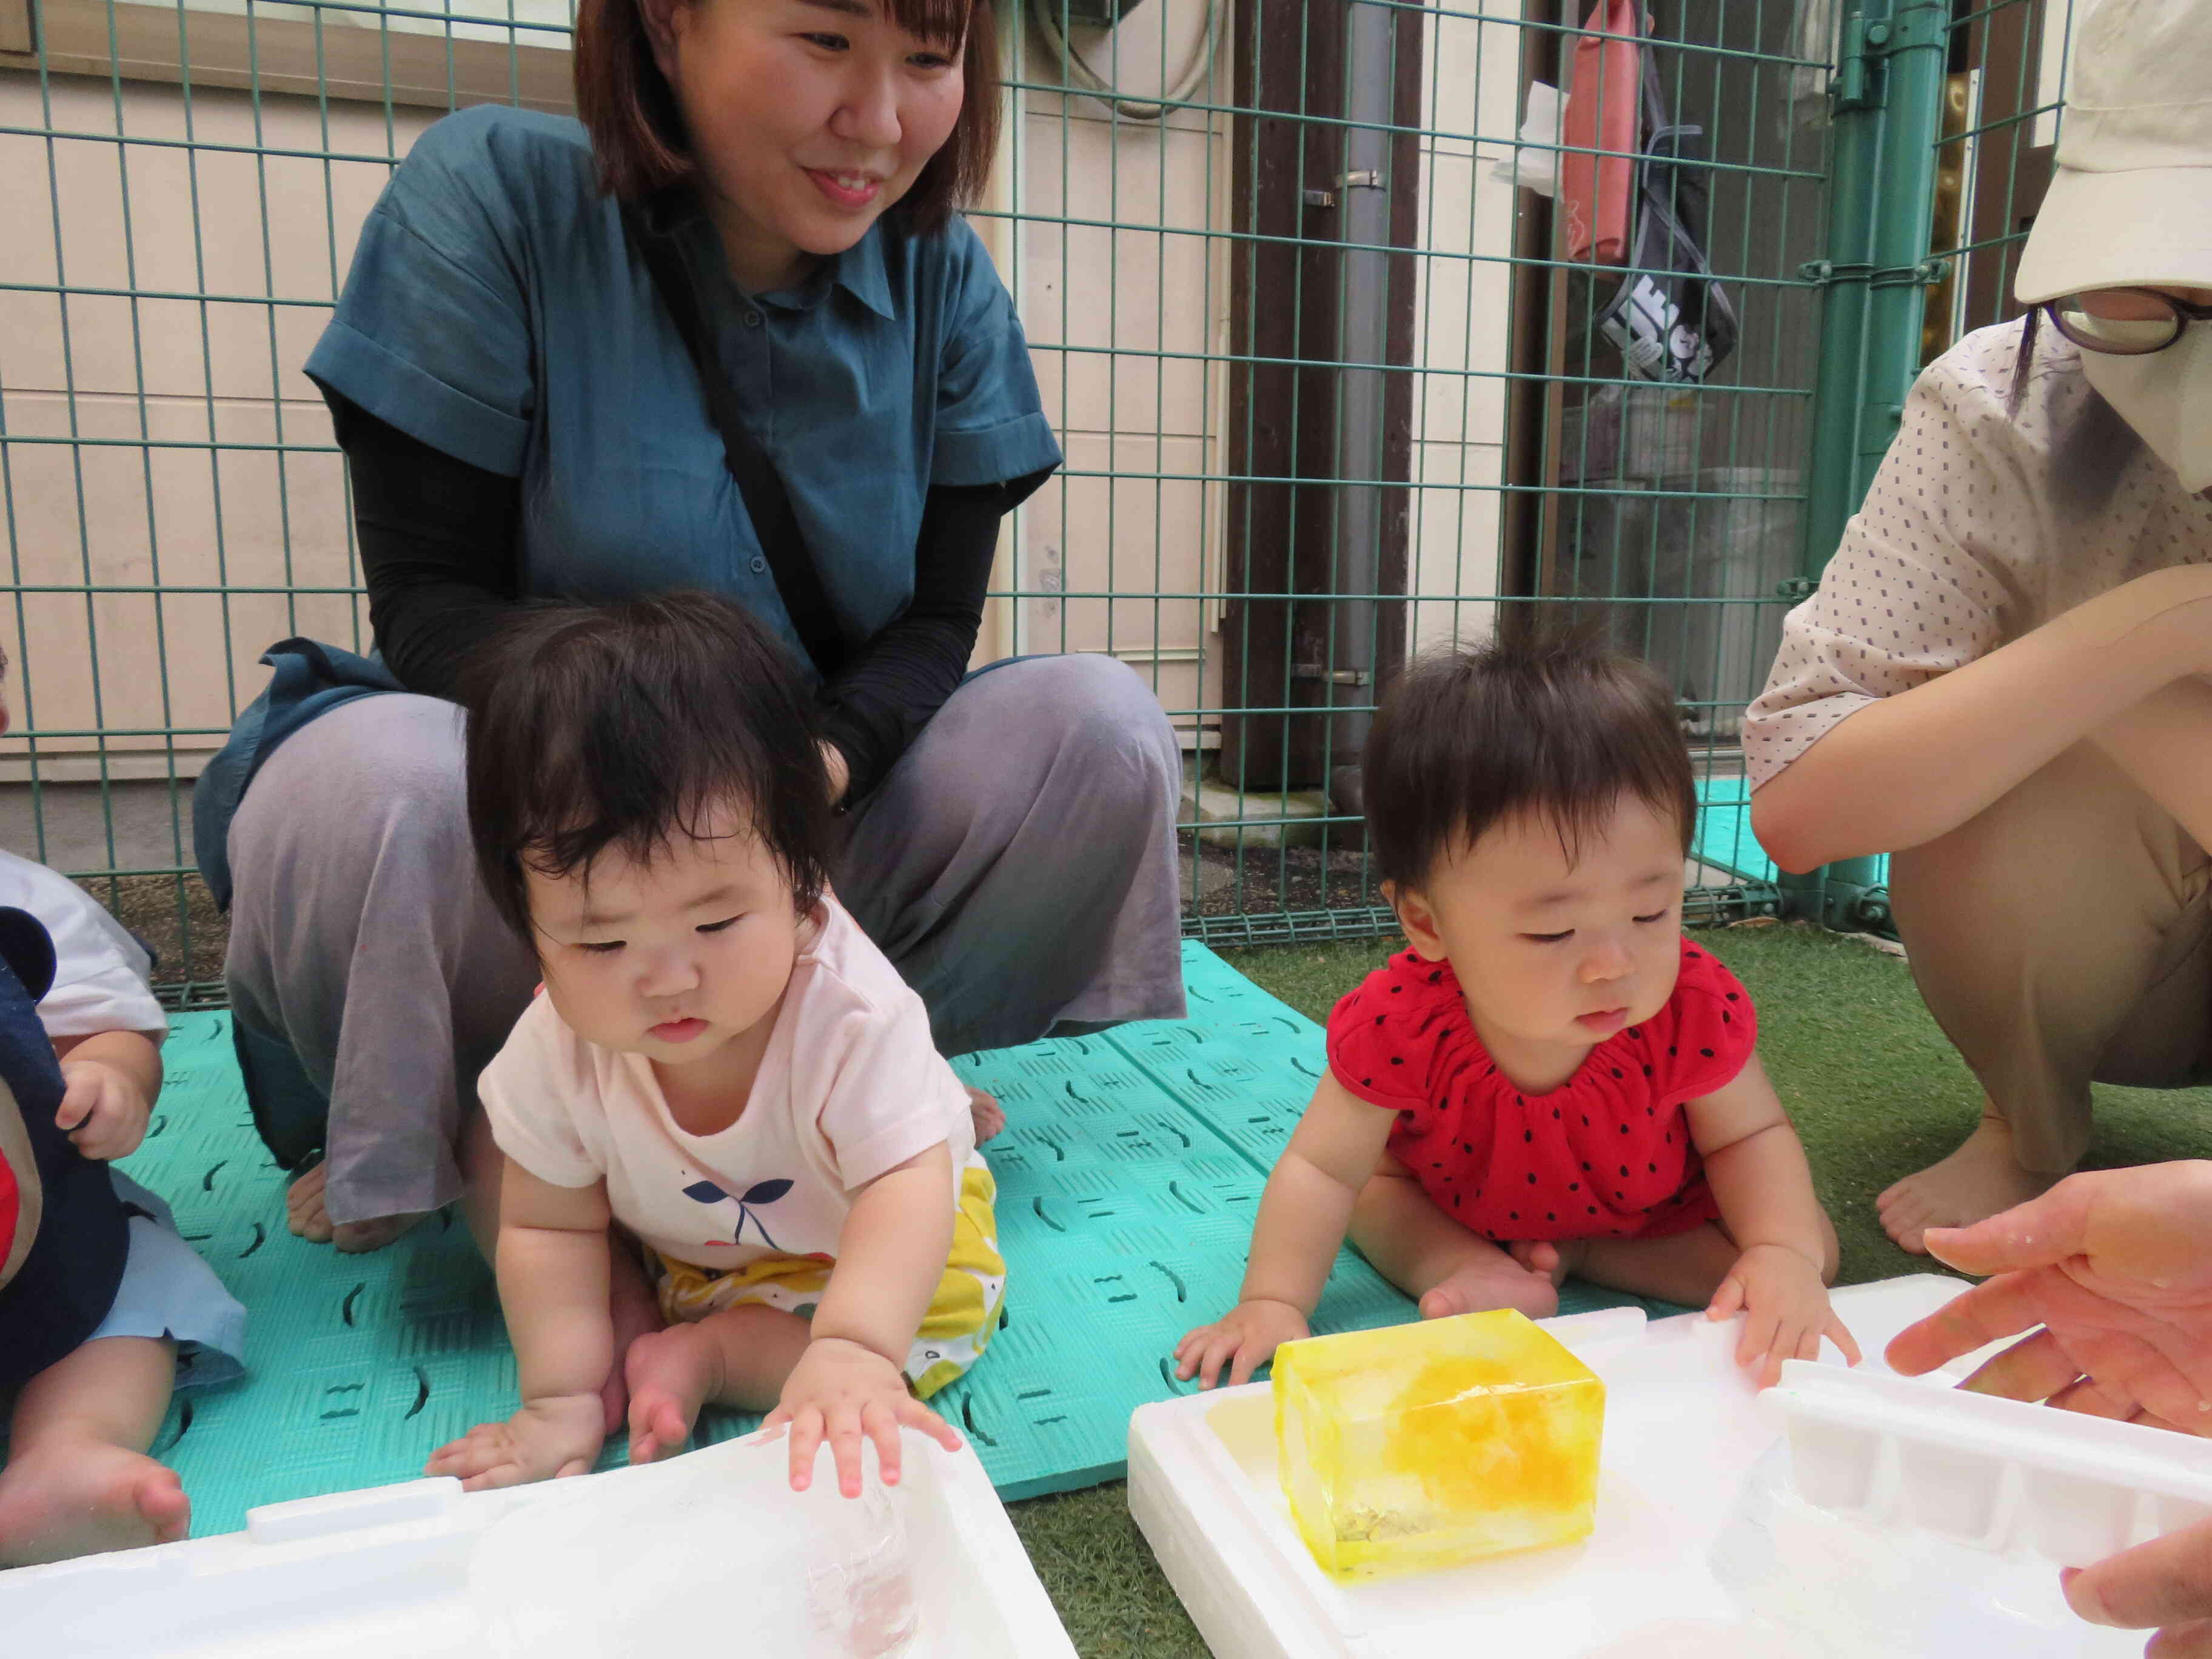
{"x":496,"y":312}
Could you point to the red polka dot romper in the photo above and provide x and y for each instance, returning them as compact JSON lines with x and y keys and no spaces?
{"x":1605,"y":1155}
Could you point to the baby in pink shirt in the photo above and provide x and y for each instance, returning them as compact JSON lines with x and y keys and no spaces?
{"x":720,"y":1062}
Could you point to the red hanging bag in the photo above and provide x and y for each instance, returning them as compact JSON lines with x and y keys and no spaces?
{"x":1603,"y":109}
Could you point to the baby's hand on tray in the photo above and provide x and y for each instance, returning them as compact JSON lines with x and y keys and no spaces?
{"x":842,"y":1391}
{"x":1785,"y":1309}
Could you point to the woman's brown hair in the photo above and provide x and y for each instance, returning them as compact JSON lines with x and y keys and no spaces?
{"x":638,"y":137}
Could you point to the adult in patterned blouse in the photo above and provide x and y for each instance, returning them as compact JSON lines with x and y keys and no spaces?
{"x":2001,"y":680}
{"x":521,"y":419}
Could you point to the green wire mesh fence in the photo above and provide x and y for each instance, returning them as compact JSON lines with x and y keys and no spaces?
{"x":2003,"y":91}
{"x":1297,"y":281}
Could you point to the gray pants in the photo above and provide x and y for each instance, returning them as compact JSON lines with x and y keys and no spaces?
{"x":2063,"y":937}
{"x":1018,"y":866}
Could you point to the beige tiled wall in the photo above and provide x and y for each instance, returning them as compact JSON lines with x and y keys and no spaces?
{"x":179,"y":213}
{"x":1126,"y":308}
{"x":1125,"y":322}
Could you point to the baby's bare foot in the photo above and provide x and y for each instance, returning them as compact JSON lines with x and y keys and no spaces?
{"x":989,"y":1117}
{"x":671,"y":1373}
{"x":1556,"y":1262}
{"x":1498,"y":1282}
{"x":81,"y":1497}
{"x":1973,"y":1184}
{"x":635,"y":1310}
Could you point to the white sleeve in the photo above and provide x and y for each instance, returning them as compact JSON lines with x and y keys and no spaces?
{"x":887,"y":1095}
{"x":1914,"y":590}
{"x":526,"y":1091}
{"x":101,"y":975}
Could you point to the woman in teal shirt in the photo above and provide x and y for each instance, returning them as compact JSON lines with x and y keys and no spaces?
{"x":521,"y":419}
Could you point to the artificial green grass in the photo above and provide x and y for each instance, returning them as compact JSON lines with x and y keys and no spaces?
{"x":1875,"y":1092}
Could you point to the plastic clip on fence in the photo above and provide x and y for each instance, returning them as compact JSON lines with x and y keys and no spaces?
{"x":1995,"y":1473}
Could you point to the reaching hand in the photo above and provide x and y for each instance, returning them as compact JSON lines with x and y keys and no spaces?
{"x":103,"y":1109}
{"x":548,"y":1439}
{"x":1785,"y":1311}
{"x":1246,"y":1337}
{"x":2116,"y":1266}
{"x":842,"y":1391}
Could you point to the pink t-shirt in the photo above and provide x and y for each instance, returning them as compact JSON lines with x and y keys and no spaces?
{"x":851,"y":1086}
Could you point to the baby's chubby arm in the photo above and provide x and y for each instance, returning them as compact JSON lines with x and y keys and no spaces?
{"x":851,"y":1380}
{"x":554,"y":1263}
{"x":1756,"y":1166}
{"x":1303,"y":1215}
{"x":109,"y":1080}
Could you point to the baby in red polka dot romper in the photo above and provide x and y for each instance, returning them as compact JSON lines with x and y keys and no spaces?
{"x":1552,"y":1079}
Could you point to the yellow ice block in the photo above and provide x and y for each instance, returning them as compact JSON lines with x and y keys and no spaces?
{"x":1430,"y":1444}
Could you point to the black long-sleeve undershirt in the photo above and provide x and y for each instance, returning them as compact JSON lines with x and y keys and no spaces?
{"x":439,"y":546}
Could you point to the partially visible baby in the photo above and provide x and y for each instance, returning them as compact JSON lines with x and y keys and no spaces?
{"x":104,"y":1309}
{"x":1552,"y":1078}
{"x":722,"y":1066}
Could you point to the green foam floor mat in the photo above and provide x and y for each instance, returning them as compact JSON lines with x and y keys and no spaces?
{"x":1128,"y":1177}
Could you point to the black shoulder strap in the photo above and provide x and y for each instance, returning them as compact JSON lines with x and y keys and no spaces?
{"x":767,"y":503}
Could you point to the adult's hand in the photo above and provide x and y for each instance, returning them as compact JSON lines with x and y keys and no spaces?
{"x":2116,"y":1266}
{"x":2166,"y":1585}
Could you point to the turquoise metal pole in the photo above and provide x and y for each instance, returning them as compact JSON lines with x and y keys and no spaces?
{"x":1887,"y":103}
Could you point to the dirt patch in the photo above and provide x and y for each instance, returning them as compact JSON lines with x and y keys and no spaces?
{"x":177,"y":919}
{"x":1261,"y":879}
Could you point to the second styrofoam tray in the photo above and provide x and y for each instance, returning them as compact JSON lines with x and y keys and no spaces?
{"x":1699,"y":1549}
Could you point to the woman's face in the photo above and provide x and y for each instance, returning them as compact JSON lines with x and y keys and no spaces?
{"x":808,"y":118}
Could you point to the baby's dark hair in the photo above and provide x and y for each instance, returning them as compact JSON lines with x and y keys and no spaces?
{"x":1551,"y":725}
{"x":621,"y":726}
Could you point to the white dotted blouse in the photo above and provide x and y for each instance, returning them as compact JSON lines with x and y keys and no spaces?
{"x":1965,"y":542}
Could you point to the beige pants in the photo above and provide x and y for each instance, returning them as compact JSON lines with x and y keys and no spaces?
{"x":2064,"y":936}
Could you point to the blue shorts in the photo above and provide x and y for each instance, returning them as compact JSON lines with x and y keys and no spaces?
{"x":167,"y":1290}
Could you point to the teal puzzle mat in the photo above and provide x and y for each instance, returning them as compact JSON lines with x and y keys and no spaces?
{"x":1128,"y":1177}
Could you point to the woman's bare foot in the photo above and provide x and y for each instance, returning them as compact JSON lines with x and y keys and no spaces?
{"x":307,"y":1212}
{"x":990,"y":1117}
{"x":671,"y":1374}
{"x":304,"y":1212}
{"x":1974,"y":1184}
{"x":66,"y":1498}
{"x":360,"y":1238}
{"x":1496,"y":1281}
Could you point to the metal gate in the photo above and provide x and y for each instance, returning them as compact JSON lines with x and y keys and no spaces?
{"x":1331,"y":384}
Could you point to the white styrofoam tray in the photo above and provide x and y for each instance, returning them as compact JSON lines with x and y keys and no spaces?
{"x":1702,"y":1545}
{"x":424,"y":1570}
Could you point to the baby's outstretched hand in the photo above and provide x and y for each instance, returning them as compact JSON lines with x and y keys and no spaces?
{"x":841,"y":1391}
{"x":547,"y":1439}
{"x":1245,"y":1339}
{"x":103,"y":1111}
{"x":1785,"y":1308}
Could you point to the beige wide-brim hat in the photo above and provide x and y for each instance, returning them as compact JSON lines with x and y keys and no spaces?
{"x":2130,"y":200}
